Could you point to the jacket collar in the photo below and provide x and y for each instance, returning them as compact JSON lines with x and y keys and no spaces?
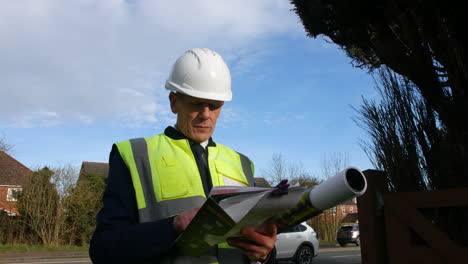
{"x":177,"y":135}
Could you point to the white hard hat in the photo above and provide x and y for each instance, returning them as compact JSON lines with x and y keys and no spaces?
{"x":201,"y":73}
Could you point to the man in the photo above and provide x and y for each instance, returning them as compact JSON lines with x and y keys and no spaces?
{"x":157,"y":184}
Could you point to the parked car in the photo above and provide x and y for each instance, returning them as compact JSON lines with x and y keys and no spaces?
{"x":298,"y":243}
{"x":348,"y":234}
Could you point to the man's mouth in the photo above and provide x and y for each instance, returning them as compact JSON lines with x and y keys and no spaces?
{"x":201,"y":127}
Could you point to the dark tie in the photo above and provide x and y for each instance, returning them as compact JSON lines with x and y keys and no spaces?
{"x":200,"y":154}
{"x":202,"y":163}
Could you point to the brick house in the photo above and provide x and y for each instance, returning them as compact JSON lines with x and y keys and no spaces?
{"x":12,"y":174}
{"x":345,"y":212}
{"x":348,"y":211}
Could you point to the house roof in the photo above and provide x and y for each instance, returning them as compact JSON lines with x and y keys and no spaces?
{"x":261,"y":182}
{"x":12,"y":172}
{"x":98,"y":168}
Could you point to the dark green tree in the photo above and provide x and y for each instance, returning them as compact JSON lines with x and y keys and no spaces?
{"x":420,"y":40}
{"x":82,"y":206}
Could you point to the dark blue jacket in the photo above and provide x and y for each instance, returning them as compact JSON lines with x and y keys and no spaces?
{"x":119,"y":237}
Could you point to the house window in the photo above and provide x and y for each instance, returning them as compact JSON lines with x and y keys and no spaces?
{"x":11,"y":194}
{"x":343,"y":210}
{"x":351,"y":209}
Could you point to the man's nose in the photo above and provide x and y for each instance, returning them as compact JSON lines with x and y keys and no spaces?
{"x":204,"y":111}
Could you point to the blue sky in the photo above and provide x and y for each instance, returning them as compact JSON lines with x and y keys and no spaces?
{"x":76,"y":76}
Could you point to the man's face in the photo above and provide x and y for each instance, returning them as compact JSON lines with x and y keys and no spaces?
{"x":196,"y":118}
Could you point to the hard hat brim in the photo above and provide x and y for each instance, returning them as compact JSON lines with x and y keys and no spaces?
{"x":225,"y":97}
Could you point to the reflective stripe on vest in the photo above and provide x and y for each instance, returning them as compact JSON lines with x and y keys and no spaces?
{"x":167,"y":181}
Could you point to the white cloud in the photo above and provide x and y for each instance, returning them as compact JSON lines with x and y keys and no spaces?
{"x":98,"y":61}
{"x":281,"y":118}
{"x":231,"y":116}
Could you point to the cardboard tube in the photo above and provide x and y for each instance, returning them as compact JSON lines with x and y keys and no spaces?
{"x":342,"y":187}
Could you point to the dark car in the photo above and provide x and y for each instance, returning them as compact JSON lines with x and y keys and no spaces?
{"x":348,"y":234}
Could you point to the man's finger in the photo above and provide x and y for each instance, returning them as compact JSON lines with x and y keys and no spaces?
{"x":182,"y":220}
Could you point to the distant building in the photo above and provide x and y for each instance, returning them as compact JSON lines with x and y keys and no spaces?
{"x":261,"y":182}
{"x":97,"y":168}
{"x":12,"y":175}
{"x":346,"y":212}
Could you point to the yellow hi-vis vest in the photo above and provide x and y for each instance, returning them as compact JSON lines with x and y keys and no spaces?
{"x":167,"y":182}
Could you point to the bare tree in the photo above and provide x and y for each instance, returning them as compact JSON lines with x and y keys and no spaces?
{"x":4,"y":146}
{"x":281,"y":169}
{"x":40,"y":207}
{"x":333,"y":163}
{"x":64,"y":178}
{"x":41,"y":204}
{"x":276,"y":170}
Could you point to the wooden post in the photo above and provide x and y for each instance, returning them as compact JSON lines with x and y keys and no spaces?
{"x":371,"y":219}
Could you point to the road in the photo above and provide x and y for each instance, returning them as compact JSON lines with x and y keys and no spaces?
{"x":346,"y":255}
{"x":336,"y":255}
{"x":330,"y":255}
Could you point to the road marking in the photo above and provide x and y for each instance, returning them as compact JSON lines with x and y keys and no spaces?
{"x":346,"y":256}
{"x":338,"y":249}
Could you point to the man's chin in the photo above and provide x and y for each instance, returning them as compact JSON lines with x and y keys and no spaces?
{"x":201,"y":137}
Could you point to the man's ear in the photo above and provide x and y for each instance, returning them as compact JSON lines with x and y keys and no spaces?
{"x":172,"y":100}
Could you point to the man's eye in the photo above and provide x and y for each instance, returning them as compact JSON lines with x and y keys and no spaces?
{"x":203,"y":104}
{"x":214,"y":106}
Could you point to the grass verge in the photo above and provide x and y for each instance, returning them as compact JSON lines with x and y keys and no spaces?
{"x":27,"y":248}
{"x":327,"y":242}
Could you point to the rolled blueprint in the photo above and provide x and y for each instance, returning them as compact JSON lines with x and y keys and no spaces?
{"x":342,"y":187}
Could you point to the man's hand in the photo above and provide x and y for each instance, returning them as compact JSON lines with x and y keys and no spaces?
{"x":256,"y":243}
{"x":182,"y":220}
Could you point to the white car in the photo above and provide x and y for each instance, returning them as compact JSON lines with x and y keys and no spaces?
{"x":298,"y":243}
